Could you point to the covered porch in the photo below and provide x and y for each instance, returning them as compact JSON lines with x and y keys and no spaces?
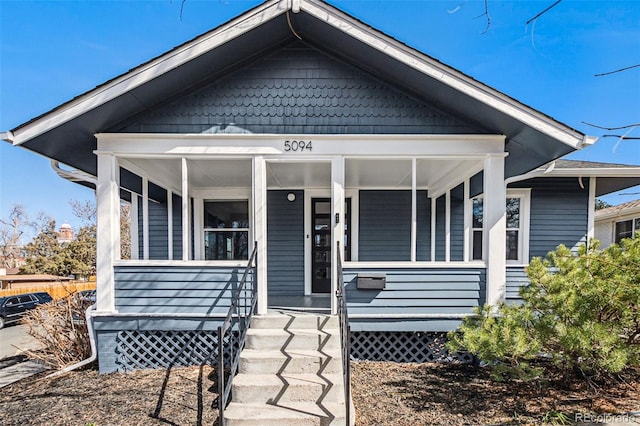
{"x":407,"y":206}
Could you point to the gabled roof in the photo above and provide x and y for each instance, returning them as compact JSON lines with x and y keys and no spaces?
{"x":619,"y":210}
{"x":66,"y":133}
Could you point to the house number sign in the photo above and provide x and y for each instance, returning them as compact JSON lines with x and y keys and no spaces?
{"x":297,"y":146}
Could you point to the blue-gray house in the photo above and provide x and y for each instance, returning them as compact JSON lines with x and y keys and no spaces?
{"x":300,"y":128}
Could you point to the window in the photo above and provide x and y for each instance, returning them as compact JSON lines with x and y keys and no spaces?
{"x":515,"y":223}
{"x":226,"y":230}
{"x":477,"y":229}
{"x":627,"y":229}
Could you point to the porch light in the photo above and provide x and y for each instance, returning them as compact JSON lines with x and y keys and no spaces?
{"x":291,"y":196}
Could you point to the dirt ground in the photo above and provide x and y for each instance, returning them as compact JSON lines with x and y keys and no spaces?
{"x":384,"y":393}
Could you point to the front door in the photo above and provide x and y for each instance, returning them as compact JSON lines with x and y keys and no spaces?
{"x":321,"y":243}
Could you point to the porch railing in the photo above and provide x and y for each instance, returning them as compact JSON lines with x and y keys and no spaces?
{"x":345,"y":337}
{"x":234,"y":330}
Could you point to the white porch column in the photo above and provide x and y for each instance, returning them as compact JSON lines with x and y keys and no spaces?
{"x":133,"y":226}
{"x":145,"y":218}
{"x":591,"y":210}
{"x":108,"y":231}
{"x":337,"y":222}
{"x":414,"y":211}
{"x":186,"y":247}
{"x":260,"y":228}
{"x":495,"y":228}
{"x":433,"y":228}
{"x":447,"y":226}
{"x":169,"y":224}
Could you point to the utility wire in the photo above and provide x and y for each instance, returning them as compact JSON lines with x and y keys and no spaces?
{"x":543,"y":12}
{"x":611,"y":128}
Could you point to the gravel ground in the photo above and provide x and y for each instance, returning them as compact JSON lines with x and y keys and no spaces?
{"x":384,"y":393}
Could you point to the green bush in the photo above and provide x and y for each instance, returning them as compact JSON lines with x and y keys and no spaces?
{"x":581,"y":310}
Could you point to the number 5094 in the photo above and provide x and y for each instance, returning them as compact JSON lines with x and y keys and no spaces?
{"x":297,"y":146}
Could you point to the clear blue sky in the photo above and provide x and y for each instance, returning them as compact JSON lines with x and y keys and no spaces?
{"x":51,"y":51}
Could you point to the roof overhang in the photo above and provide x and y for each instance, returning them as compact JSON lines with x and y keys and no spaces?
{"x":66,"y":134}
{"x":609,"y":177}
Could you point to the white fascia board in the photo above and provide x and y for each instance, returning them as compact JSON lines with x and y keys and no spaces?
{"x":157,"y":67}
{"x":198,"y":146}
{"x":447,"y":75}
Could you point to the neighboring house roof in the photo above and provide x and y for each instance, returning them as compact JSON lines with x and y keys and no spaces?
{"x":610,"y":177}
{"x":629,"y":208}
{"x":66,"y":133}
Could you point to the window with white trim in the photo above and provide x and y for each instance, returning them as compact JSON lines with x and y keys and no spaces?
{"x":516,"y":223}
{"x":627,"y":229}
{"x":226,"y":229}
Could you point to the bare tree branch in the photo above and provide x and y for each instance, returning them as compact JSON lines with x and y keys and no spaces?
{"x":486,"y":13}
{"x":543,"y":12}
{"x":611,"y":128}
{"x":616,"y":71}
{"x":623,"y":137}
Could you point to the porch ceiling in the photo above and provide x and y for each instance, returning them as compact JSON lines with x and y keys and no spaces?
{"x":228,"y":173}
{"x":437,"y":175}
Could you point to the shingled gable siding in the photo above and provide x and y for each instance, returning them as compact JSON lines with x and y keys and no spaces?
{"x":298,"y":90}
{"x":285,"y":244}
{"x":433,"y":292}
{"x":192,"y":290}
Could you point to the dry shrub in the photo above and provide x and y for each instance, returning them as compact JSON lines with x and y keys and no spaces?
{"x":60,"y":328}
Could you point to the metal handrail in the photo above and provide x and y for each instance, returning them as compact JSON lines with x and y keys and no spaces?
{"x":242,"y":313}
{"x":345,"y":337}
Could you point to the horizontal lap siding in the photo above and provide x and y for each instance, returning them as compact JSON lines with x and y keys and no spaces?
{"x":423,"y":226}
{"x":285,"y":244}
{"x":457,"y":223}
{"x":516,"y":279}
{"x":158,"y":231}
{"x":385,"y":226}
{"x":175,"y":289}
{"x":559,"y":209}
{"x":417,"y":291}
{"x":441,"y":210}
{"x":177,"y":226}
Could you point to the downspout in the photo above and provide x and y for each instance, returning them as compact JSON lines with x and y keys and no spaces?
{"x":92,"y":341}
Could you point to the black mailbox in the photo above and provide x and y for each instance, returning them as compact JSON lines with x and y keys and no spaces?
{"x":371,"y":282}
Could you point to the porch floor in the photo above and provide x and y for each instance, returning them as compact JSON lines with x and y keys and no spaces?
{"x":315,"y":303}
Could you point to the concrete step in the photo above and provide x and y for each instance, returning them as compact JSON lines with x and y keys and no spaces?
{"x":291,"y":339}
{"x":287,"y":388}
{"x":295,"y":321}
{"x":290,"y":414}
{"x":301,"y":361}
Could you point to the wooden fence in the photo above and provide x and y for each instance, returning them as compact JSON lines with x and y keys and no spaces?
{"x":56,"y":290}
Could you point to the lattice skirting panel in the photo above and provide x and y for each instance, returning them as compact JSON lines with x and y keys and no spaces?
{"x":164,"y":349}
{"x":403,"y":347}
